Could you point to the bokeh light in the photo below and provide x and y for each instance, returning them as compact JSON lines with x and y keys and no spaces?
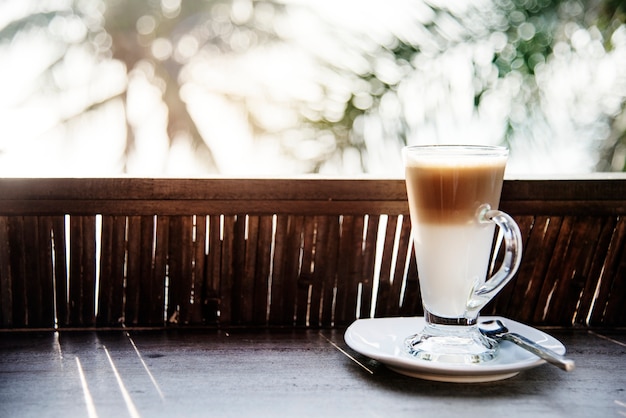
{"x":291,"y":87}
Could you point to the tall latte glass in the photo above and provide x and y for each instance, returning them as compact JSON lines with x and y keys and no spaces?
{"x":454,"y":192}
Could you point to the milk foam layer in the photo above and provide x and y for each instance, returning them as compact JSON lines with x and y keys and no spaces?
{"x":452,"y":260}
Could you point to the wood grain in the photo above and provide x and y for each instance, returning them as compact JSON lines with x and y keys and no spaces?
{"x":282,"y":373}
{"x":283,"y":252}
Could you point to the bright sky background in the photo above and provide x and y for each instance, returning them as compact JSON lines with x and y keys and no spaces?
{"x":581,"y":83}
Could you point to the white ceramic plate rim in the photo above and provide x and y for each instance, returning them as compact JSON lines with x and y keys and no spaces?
{"x":382,"y":339}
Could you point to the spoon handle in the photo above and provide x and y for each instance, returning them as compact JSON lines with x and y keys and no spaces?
{"x":543,"y":352}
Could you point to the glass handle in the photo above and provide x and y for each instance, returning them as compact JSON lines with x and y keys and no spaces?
{"x":512,"y":257}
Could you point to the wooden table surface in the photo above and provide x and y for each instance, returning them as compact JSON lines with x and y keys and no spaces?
{"x":291,"y":373}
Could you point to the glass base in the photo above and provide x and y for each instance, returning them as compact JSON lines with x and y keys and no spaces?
{"x":462,"y":344}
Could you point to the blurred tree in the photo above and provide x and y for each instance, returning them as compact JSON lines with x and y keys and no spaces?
{"x":379,"y":84}
{"x":612,"y":17}
{"x":153,"y":39}
{"x":535,"y":28}
{"x":525,"y":37}
{"x":165,"y":36}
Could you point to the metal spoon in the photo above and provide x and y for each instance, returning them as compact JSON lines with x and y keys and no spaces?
{"x":501,"y":332}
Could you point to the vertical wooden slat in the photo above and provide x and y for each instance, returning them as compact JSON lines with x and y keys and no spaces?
{"x":608,"y":308}
{"x":61,"y":270}
{"x":146,"y":300}
{"x":368,"y":264}
{"x":18,"y":273}
{"x":238,"y":266}
{"x":328,"y":267}
{"x":151,"y":287}
{"x":145,"y":271}
{"x":227,"y":271}
{"x":180,"y":268}
{"x":133,"y":271}
{"x":293,"y":265}
{"x":82,"y":270}
{"x":343,"y":269}
{"x":174,"y":269}
{"x":279,"y":271}
{"x":248,"y":264}
{"x":349,"y":269}
{"x":112,"y":261}
{"x":198,"y":265}
{"x":30,"y":263}
{"x":6,"y":276}
{"x":103,"y":317}
{"x":185,"y":278}
{"x":614,"y":313}
{"x":412,"y":301}
{"x":305,"y":279}
{"x":394,"y":300}
{"x":262,"y":271}
{"x":286,"y":266}
{"x":45,"y":273}
{"x":384,"y":287}
{"x":213,"y":270}
{"x":316,"y":276}
{"x":323,"y":279}
{"x":160,"y":267}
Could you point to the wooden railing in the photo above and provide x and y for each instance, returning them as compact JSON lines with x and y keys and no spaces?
{"x":80,"y":253}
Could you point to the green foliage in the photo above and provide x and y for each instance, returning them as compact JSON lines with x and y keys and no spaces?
{"x":145,"y":35}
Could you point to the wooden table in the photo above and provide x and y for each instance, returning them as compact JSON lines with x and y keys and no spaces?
{"x":187,"y":373}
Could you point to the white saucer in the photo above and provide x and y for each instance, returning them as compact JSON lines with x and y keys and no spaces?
{"x":382,"y":339}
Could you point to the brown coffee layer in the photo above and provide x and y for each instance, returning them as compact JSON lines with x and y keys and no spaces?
{"x":447,"y":193}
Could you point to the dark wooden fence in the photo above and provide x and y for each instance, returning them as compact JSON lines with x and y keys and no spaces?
{"x":80,"y":253}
